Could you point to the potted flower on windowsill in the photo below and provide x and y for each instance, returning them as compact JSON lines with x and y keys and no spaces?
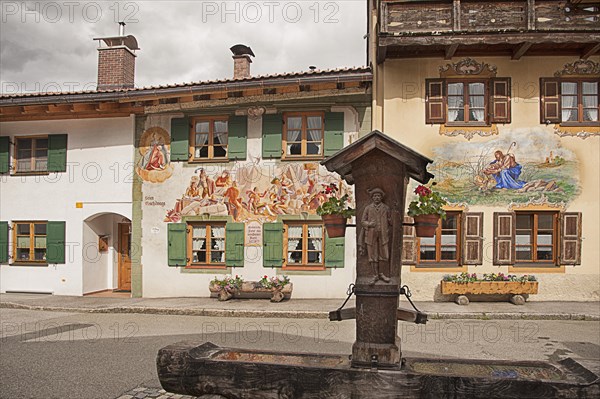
{"x":427,"y":210}
{"x":335,"y":212}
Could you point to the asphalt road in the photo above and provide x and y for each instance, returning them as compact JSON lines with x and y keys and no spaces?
{"x":79,"y":355}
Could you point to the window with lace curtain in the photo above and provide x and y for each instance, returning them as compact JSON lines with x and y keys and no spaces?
{"x":570,"y":102}
{"x":304,"y":244}
{"x":303,"y":135}
{"x":467,"y":102}
{"x":206,"y":245}
{"x":208,"y":138}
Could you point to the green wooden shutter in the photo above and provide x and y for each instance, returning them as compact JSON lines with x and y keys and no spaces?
{"x":4,"y":155}
{"x":334,"y":252}
{"x":180,"y":139}
{"x":177,"y":241}
{"x":334,"y":133}
{"x":55,"y":242}
{"x":57,"y":153}
{"x":271,"y":140}
{"x":238,"y":133}
{"x":3,"y":242}
{"x":234,"y":244}
{"x":273,"y":244}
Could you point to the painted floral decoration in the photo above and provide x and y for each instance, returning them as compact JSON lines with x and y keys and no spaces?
{"x":335,"y":205}
{"x":465,"y":277}
{"x":428,"y":202}
{"x":273,"y":282}
{"x":228,"y":283}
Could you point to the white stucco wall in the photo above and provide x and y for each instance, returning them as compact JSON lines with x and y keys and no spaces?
{"x":99,"y":174}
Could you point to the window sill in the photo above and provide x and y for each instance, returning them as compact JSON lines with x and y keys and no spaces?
{"x":301,"y":158}
{"x":438,"y":268}
{"x":209,"y":160}
{"x":42,"y":264}
{"x":304,"y":268}
{"x":536,"y":267}
{"x":40,"y":173}
{"x":467,"y":124}
{"x":579,"y":124}
{"x":204,"y":267}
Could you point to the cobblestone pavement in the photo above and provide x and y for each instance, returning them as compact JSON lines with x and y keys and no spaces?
{"x":152,"y":393}
{"x":156,"y":393}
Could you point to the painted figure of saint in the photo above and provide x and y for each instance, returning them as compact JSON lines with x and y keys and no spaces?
{"x":505,"y":170}
{"x":374,"y":234}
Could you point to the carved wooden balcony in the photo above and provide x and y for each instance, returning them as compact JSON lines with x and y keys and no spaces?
{"x":463,"y":28}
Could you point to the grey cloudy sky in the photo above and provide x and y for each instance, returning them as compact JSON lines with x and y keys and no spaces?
{"x":49,"y":46}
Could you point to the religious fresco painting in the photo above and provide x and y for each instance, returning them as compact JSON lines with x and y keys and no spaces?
{"x":521,"y":165}
{"x":253,"y":192}
{"x":154,"y":165}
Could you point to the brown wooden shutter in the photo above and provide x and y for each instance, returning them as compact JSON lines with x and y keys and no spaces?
{"x":504,"y":238}
{"x":570,"y":238}
{"x":472,"y":238}
{"x":435,"y":101}
{"x":409,"y":243}
{"x":550,"y":111}
{"x":500,"y":100}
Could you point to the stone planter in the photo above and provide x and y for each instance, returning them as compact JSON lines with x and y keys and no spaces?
{"x":514,"y":288}
{"x":253,"y":290}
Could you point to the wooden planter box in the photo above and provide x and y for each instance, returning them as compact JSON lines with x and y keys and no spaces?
{"x":253,"y":290}
{"x":515,"y":288}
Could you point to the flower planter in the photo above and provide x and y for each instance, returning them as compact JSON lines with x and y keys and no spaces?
{"x":515,"y":288}
{"x":335,"y":225}
{"x":253,"y":290}
{"x":425,"y":225}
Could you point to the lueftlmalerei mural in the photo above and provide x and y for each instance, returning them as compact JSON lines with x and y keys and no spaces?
{"x":520,"y":165}
{"x":255,"y":192}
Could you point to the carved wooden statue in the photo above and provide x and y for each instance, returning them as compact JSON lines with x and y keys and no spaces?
{"x":374,"y":233}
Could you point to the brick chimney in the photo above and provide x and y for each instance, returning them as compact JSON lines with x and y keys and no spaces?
{"x":116,"y":61}
{"x":241,"y":61}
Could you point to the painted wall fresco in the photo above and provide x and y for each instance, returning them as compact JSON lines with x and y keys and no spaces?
{"x":520,"y":165}
{"x":255,"y":192}
{"x":154,"y":165}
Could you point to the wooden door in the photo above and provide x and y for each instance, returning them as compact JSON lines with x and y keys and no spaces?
{"x":124,"y":256}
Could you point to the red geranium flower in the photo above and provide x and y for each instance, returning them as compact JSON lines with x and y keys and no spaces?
{"x":422,"y":191}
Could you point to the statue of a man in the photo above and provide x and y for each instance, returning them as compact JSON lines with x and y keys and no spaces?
{"x":376,"y":222}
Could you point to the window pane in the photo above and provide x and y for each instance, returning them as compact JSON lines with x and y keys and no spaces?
{"x":314,"y":135}
{"x":569,"y":88}
{"x":476,"y":89}
{"x":315,"y":244}
{"x":455,"y":89}
{"x":39,"y":242}
{"x":313,"y":149}
{"x":449,"y":222}
{"x":448,"y":253}
{"x":23,"y":242}
{"x":545,"y":222}
{"x":23,"y":228}
{"x":201,"y":152}
{"x":295,"y":231}
{"x":425,"y":241}
{"x":449,"y":239}
{"x":427,"y":253}
{"x":294,"y":149}
{"x":544,"y":239}
{"x":199,"y":257}
{"x":544,"y":253}
{"x":294,"y":257}
{"x":220,"y":138}
{"x":199,"y":231}
{"x":523,"y":239}
{"x":294,"y":135}
{"x":218,"y":231}
{"x":589,"y":88}
{"x":523,"y":253}
{"x":220,"y":151}
{"x":202,"y":127}
{"x":40,"y":228}
{"x":524,"y":221}
{"x":314,"y":257}
{"x":221,"y":126}
{"x":294,"y":122}
{"x":40,"y":254}
{"x":22,"y":254}
{"x":217,"y":257}
{"x":314,"y":122}
{"x":41,"y":144}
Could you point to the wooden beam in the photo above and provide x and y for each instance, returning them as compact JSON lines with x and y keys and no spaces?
{"x":35,"y":109}
{"x":450,"y":50}
{"x":456,"y":15}
{"x":531,"y":14}
{"x":58,"y":108}
{"x":521,"y":50}
{"x":342,"y":314}
{"x":411,"y":316}
{"x":381,"y":54}
{"x":492,"y":38}
{"x":77,"y":107}
{"x":589,"y":51}
{"x":107,"y":106}
{"x":11,"y":110}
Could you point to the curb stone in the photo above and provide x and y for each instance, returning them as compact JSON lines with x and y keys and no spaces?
{"x":297,"y":314}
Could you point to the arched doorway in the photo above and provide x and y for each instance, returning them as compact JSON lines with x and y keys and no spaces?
{"x":106,"y":257}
